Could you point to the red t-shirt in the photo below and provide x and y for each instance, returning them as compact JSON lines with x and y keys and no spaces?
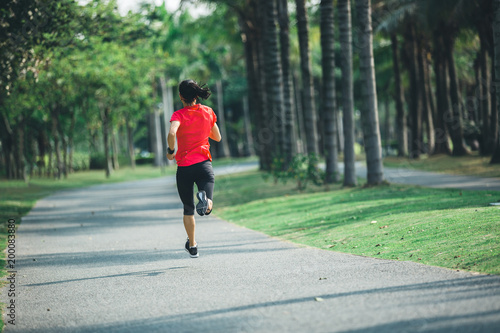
{"x":192,"y":136}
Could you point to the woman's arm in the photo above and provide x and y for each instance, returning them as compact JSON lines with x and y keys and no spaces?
{"x":174,"y":126}
{"x":215,"y":133}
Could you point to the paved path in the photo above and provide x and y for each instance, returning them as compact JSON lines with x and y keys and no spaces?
{"x":110,"y":258}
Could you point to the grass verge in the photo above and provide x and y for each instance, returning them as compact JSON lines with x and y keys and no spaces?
{"x":465,"y":165}
{"x":441,"y":227}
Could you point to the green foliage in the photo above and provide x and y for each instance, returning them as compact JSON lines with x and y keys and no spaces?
{"x":303,"y":169}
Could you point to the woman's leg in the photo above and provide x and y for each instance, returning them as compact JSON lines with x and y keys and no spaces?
{"x":190,"y":226}
{"x":185,"y":185}
{"x":205,"y":181}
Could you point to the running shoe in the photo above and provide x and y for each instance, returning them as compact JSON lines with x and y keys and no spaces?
{"x":192,"y":250}
{"x":202,"y":206}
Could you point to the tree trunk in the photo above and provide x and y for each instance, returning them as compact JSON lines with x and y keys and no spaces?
{"x":55,"y":136}
{"x":48,"y":171}
{"x":71,"y":140}
{"x":168,"y":111}
{"x":20,"y":161}
{"x":42,"y":149}
{"x":442,"y":145}
{"x":7,"y":144}
{"x":344,"y":10}
{"x":308,"y":107}
{"x":105,"y":135}
{"x":116,"y":152}
{"x":484,"y":101}
{"x":424,"y":95}
{"x":453,"y":116}
{"x":401,"y":132}
{"x":248,"y":149}
{"x":299,"y":115}
{"x":415,"y":101}
{"x":288,"y":116}
{"x":130,"y":142}
{"x":369,"y":110}
{"x":328,"y":110}
{"x":249,"y":36}
{"x":221,"y":120}
{"x":158,"y":144}
{"x":64,"y":143}
{"x":496,"y":59}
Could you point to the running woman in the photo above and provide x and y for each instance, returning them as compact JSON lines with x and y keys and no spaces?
{"x":192,"y":126}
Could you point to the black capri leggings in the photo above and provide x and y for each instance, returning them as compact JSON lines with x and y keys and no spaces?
{"x":200,"y":173}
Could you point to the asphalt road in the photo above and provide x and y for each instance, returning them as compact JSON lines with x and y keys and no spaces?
{"x":110,"y":258}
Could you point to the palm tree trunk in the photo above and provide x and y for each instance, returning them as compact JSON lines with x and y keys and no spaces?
{"x":288,"y":116}
{"x":496,"y":33}
{"x":344,"y":10}
{"x":399,"y":98}
{"x":253,"y":101}
{"x":105,"y":134}
{"x":20,"y":160}
{"x":415,"y":101}
{"x":309,"y":109}
{"x":484,"y":101}
{"x":55,"y":135}
{"x":265,"y":134}
{"x":130,"y":142}
{"x":71,"y":141}
{"x":426,"y":110}
{"x":442,"y":145}
{"x":274,"y":77}
{"x":369,"y":110}
{"x":114,"y":146}
{"x":168,"y":110}
{"x":248,"y":149}
{"x":64,"y":143}
{"x":224,"y":152}
{"x":454,"y":118}
{"x":327,"y":27}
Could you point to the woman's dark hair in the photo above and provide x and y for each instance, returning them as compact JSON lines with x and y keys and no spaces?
{"x":190,"y":91}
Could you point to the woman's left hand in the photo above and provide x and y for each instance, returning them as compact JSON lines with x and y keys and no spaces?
{"x":170,"y":156}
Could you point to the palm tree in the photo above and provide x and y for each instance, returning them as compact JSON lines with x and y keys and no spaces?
{"x":308,"y":106}
{"x":369,"y":110}
{"x":273,"y":76}
{"x":344,"y":10}
{"x":496,"y":33}
{"x":327,"y":27}
{"x":287,"y":81}
{"x":399,"y":98}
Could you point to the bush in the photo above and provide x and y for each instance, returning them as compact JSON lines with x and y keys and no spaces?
{"x":97,"y":161}
{"x":303,"y":169}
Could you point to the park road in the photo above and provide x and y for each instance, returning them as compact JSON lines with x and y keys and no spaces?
{"x":110,"y":258}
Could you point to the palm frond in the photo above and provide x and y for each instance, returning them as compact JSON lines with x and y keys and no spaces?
{"x":393,"y":18}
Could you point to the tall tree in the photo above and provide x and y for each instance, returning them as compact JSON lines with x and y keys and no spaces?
{"x":273,"y":76}
{"x":328,"y":109}
{"x":496,"y":33}
{"x":344,"y":10}
{"x":308,"y":107}
{"x":369,"y":109}
{"x":402,"y":135}
{"x":288,"y":116}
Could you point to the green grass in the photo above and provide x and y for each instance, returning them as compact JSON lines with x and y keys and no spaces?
{"x":465,"y":165}
{"x":448,"y":228}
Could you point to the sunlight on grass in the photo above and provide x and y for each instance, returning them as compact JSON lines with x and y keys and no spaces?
{"x":449,"y":228}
